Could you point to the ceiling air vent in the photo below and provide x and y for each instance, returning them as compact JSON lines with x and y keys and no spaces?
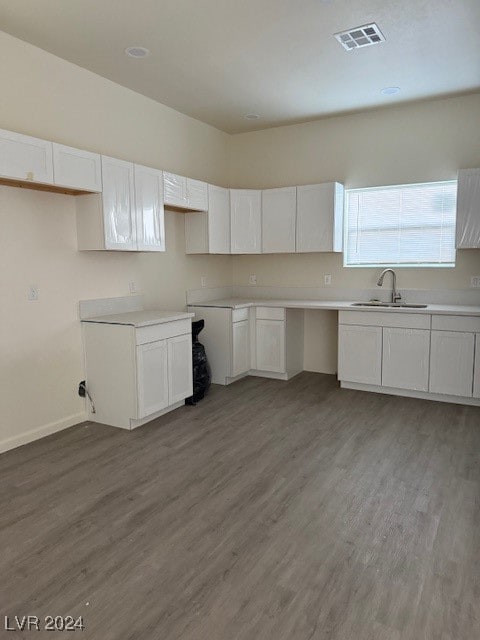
{"x":359,"y":37}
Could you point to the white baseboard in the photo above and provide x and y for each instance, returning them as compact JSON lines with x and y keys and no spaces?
{"x":423,"y":395}
{"x":40,"y":432}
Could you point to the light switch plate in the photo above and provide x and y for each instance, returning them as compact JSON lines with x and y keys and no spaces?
{"x":475,"y":282}
{"x":32,"y":293}
{"x":252,"y":279}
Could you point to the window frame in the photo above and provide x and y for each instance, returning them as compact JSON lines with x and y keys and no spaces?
{"x":396,"y":265}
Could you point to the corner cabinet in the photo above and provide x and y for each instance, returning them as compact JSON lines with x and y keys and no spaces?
{"x":246,"y":221}
{"x":279,"y":215}
{"x":185,"y":193}
{"x":320,"y":218}
{"x":128,"y":215}
{"x":209,"y":232}
{"x":468,"y":209}
{"x":135,"y":374}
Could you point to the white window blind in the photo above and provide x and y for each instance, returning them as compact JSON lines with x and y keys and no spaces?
{"x":411,"y":224}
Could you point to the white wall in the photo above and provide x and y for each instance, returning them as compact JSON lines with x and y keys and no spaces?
{"x":413,"y":143}
{"x":40,"y":346}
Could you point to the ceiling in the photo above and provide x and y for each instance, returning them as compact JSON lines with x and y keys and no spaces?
{"x":217,"y":60}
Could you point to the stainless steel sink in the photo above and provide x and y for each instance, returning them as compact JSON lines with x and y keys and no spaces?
{"x":395,"y":305}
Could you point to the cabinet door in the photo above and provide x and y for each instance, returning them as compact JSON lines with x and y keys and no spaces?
{"x":174,"y":190}
{"x":319,"y":217}
{"x":476,"y":371}
{"x":406,"y":358}
{"x":218,"y":219}
{"x":360,"y":354}
{"x":77,"y":169}
{"x":270,"y":345}
{"x":468,"y":209}
{"x":451,"y":363}
{"x":180,"y":376}
{"x":118,"y":204}
{"x":279,"y":212}
{"x":150,"y":216}
{"x":25,"y":158}
{"x":240,"y":347}
{"x":197,"y":195}
{"x":152,"y":377}
{"x":246,"y":221}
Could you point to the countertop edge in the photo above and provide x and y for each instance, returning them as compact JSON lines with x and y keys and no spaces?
{"x":338,"y":305}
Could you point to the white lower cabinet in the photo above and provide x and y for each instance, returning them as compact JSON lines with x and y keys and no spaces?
{"x":240,"y":347}
{"x":451,"y":363}
{"x":179,"y":368}
{"x":135,"y":374}
{"x":152,"y":377}
{"x":260,"y":341}
{"x":270,"y":345}
{"x":422,"y":353}
{"x":406,"y":358}
{"x":360,"y":354}
{"x":476,"y":375}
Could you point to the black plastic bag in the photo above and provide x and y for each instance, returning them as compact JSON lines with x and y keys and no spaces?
{"x":202,"y":376}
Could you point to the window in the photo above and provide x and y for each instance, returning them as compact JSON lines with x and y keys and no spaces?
{"x":403,"y":225}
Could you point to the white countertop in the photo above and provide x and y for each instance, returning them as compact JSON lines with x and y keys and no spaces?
{"x":143,"y":318}
{"x":337,"y":305}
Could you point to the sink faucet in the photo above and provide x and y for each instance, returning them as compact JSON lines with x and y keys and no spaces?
{"x":395,"y":295}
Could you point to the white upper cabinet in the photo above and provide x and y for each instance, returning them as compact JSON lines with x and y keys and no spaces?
{"x":468,"y":209}
{"x":246,"y":221}
{"x":25,"y":158}
{"x":76,"y":169}
{"x":150,"y":215}
{"x":128,"y":215}
{"x":174,"y":189}
{"x":320,"y":217}
{"x":210,"y":232}
{"x":279,"y":211}
{"x":218,"y":219}
{"x":185,"y":193}
{"x":197,"y":195}
{"x":118,"y":204}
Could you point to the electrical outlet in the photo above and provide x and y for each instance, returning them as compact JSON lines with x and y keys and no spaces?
{"x":32,"y":293}
{"x":475,"y":282}
{"x":327,"y":279}
{"x":133,"y":287}
{"x":203,"y":281}
{"x":252,"y":279}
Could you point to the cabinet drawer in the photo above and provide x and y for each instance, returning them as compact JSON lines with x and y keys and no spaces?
{"x":239,"y":314}
{"x":161,"y":331}
{"x":456,"y":323}
{"x":385,"y":319}
{"x":270,"y":313}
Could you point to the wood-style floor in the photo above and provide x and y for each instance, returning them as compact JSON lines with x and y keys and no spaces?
{"x":271,"y":511}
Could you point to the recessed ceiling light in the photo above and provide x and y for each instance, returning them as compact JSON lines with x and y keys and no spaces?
{"x":390,"y":91}
{"x":359,"y":37}
{"x":251,"y":116}
{"x":137,"y":52}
